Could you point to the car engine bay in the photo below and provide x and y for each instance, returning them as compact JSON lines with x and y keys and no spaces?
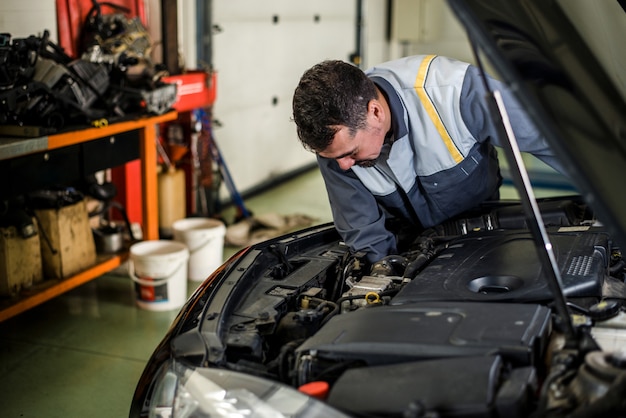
{"x":461,"y":316}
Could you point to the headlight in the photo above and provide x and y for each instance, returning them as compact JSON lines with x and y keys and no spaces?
{"x":184,"y":392}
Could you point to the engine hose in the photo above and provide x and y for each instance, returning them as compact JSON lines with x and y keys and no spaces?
{"x":332,"y":307}
{"x":283,"y":360}
{"x":617,"y":267}
{"x":415,"y":266}
{"x":348,"y":264}
{"x":330,"y":314}
{"x":420,"y":261}
{"x":327,"y":306}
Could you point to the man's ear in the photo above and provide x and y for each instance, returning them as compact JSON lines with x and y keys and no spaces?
{"x":375,"y":109}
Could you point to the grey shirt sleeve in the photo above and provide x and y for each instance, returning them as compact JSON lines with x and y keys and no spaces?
{"x":477,"y":117}
{"x":357,"y":216}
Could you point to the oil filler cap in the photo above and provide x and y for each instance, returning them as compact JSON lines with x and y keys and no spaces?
{"x":317,"y":389}
{"x":604,"y":310}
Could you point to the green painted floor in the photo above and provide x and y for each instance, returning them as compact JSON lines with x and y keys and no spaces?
{"x":81,"y":354}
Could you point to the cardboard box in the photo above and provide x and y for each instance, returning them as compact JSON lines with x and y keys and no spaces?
{"x":70,"y":235}
{"x":20,"y":261}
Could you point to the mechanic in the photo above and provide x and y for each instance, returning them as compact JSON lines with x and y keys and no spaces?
{"x":408,"y":142}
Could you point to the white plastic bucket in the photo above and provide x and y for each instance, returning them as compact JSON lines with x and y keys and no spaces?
{"x":159,"y":270}
{"x":205,"y":239}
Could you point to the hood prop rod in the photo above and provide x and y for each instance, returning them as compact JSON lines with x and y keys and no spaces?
{"x":534,"y":220}
{"x":533,"y":215}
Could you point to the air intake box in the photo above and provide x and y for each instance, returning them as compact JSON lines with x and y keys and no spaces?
{"x":458,"y":387}
{"x":428,"y":330}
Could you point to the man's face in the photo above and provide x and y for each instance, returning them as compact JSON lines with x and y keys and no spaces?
{"x":362,"y":149}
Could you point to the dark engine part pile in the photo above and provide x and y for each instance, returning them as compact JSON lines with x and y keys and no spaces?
{"x":114,"y":78}
{"x":461,"y":317}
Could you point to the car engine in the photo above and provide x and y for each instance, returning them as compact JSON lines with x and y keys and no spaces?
{"x":464,"y":307}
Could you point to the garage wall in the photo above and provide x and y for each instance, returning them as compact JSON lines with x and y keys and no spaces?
{"x":375,"y":33}
{"x":261,"y":50}
{"x":22,"y":18}
{"x":427,"y":27}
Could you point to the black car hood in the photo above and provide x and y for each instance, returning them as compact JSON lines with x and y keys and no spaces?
{"x":542,"y":56}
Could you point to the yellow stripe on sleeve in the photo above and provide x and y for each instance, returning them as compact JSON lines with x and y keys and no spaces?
{"x":420,"y":81}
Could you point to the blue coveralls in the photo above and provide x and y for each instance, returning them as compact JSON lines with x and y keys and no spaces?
{"x":441,"y":161}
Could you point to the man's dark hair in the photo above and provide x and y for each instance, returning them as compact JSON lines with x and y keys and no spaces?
{"x":330,"y":94}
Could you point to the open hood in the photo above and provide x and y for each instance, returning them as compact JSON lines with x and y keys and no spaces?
{"x":556,"y":57}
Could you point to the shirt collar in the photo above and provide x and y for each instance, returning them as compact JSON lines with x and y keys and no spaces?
{"x":395,"y":105}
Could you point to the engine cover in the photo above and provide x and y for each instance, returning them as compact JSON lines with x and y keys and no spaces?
{"x":504,"y":266}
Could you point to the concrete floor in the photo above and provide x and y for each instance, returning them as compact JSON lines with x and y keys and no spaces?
{"x":81,"y":354}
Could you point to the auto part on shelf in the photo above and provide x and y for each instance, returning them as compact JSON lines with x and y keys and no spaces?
{"x":42,"y":86}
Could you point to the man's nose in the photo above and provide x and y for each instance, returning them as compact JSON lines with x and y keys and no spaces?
{"x":345,"y":163}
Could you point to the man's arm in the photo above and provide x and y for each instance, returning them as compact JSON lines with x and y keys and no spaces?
{"x":478,"y":119}
{"x":356,"y":214}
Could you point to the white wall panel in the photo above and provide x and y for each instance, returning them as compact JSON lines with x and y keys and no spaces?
{"x":261,"y":52}
{"x":449,"y":37}
{"x":22,"y":18}
{"x":374,"y":38}
{"x":241,"y":10}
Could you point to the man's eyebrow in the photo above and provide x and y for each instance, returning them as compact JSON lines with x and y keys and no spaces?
{"x":345,"y":154}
